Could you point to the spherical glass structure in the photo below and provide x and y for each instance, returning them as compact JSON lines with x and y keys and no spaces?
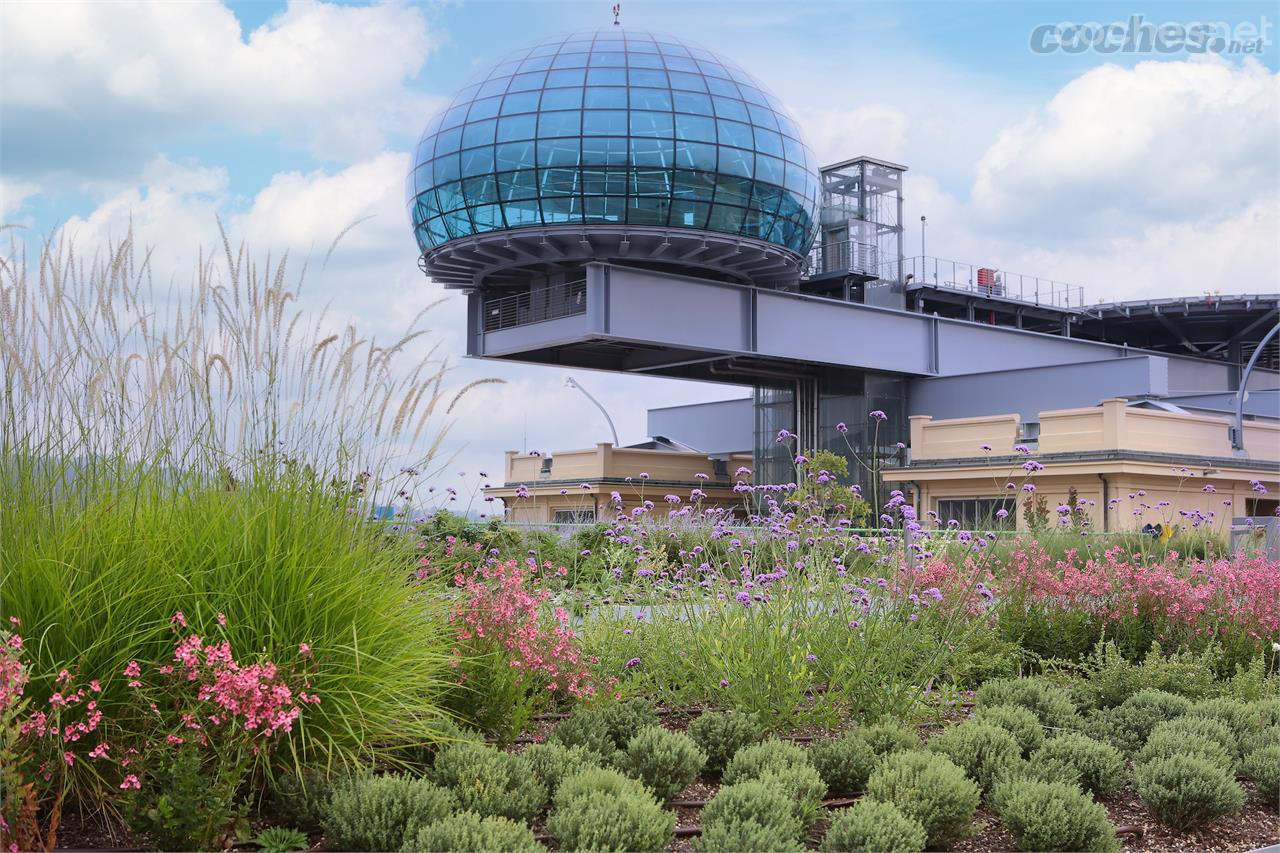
{"x":615,"y":127}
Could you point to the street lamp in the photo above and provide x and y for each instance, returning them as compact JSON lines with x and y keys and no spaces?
{"x":570,"y":382}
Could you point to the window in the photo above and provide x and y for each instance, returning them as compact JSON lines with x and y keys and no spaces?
{"x":979,"y":513}
{"x":574,"y":516}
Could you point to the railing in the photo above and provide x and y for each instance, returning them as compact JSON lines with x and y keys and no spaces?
{"x":844,"y":256}
{"x":535,"y":306}
{"x":988,"y":281}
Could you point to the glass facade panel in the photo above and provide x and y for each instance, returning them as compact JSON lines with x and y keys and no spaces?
{"x":617,"y":127}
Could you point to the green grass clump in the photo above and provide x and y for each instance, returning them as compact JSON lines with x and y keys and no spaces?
{"x":603,"y":810}
{"x":720,"y":735}
{"x":1262,"y":768}
{"x":667,"y":762}
{"x":751,"y":816}
{"x":282,"y":839}
{"x":1055,"y":816}
{"x":466,"y":832}
{"x":844,"y":762}
{"x":1185,"y":791}
{"x":383,"y":812}
{"x":929,"y":788}
{"x":985,"y":752}
{"x":553,"y":762}
{"x":587,"y":728}
{"x":489,"y":782}
{"x":751,"y":761}
{"x":1017,"y":721}
{"x":889,"y":736}
{"x":1051,"y":704}
{"x":870,"y":826}
{"x":1097,"y":767}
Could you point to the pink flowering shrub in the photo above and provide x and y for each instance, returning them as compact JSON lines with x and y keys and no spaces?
{"x":513,"y":654}
{"x":178,"y":756}
{"x":1137,"y":600}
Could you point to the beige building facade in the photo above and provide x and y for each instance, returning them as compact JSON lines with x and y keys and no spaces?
{"x":576,"y":486}
{"x":1128,"y":465}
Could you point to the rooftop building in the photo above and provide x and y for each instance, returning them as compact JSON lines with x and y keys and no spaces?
{"x":629,"y":202}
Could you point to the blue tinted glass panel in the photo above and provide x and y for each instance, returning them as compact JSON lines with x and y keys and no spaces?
{"x":614,"y":127}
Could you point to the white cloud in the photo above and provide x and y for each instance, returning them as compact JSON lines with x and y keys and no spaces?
{"x":1118,"y":150}
{"x":93,"y":88}
{"x":12,"y":195}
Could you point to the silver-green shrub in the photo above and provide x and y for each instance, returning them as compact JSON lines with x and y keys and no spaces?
{"x":870,"y":826}
{"x":466,"y":832}
{"x":598,"y":812}
{"x":751,"y":761}
{"x":889,"y":736}
{"x":1165,"y":742}
{"x":1055,"y":816}
{"x":1020,"y":722}
{"x":488,"y":781}
{"x":1262,"y":768}
{"x":1195,"y":731}
{"x":985,"y":752}
{"x":1240,"y":718}
{"x":1185,"y":791}
{"x":665,"y":761}
{"x":383,"y":812}
{"x":552,"y":762}
{"x":930,"y":788}
{"x":624,"y":718}
{"x":1050,"y":703}
{"x":749,"y":816}
{"x":1072,"y":757}
{"x":804,"y":787}
{"x":844,"y":762}
{"x":587,"y":728}
{"x":720,"y":735}
{"x":1127,"y":726}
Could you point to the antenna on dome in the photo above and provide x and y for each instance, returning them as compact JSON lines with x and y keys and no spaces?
{"x":617,"y":10}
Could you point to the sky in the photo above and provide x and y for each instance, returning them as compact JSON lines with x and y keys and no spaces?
{"x":1134,"y":175}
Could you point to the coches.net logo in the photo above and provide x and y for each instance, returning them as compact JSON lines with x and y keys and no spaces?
{"x":1138,"y":35}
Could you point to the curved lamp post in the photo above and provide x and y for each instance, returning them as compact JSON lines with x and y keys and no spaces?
{"x":570,"y":382}
{"x":1237,"y":433}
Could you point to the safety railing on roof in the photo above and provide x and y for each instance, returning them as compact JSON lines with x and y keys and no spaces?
{"x":990,"y":281}
{"x":535,"y":306}
{"x":845,"y":256}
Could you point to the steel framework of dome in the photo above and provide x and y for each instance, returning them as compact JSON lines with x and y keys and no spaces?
{"x":614,"y":145}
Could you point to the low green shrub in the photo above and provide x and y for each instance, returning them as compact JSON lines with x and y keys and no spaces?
{"x":720,"y":735}
{"x":587,"y":728}
{"x":666,"y":761}
{"x":489,"y":782}
{"x":1050,"y":703}
{"x":1185,"y":791}
{"x":844,"y":762}
{"x":595,"y":779}
{"x":1097,"y":767}
{"x":929,"y":788}
{"x":1270,"y":736}
{"x":889,"y":737}
{"x":1020,"y":722}
{"x":601,"y":810}
{"x":749,"y":816}
{"x":1193,"y":732}
{"x":1268,"y":711}
{"x":802,"y":785}
{"x":1262,"y":768}
{"x":1115,"y":678}
{"x":187,"y":803}
{"x":985,"y":752}
{"x":1127,"y":726}
{"x":1165,"y":742}
{"x":1055,"y":816}
{"x":870,"y":826}
{"x":466,"y":832}
{"x":299,"y":799}
{"x":751,"y":761}
{"x":282,"y":839}
{"x":625,"y":718}
{"x":552,"y":762}
{"x":1240,"y":718}
{"x":383,"y":812}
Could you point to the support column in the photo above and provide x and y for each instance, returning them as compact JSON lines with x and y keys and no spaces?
{"x":806,"y":407}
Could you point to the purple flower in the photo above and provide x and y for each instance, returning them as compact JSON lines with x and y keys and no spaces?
{"x":1021,"y":448}
{"x":985,"y":447}
{"x":841,"y":428}
{"x":878,"y":415}
{"x":633,"y":662}
{"x":811,"y":658}
{"x":724,"y":682}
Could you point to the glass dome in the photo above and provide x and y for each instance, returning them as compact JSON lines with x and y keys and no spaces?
{"x":615,"y":127}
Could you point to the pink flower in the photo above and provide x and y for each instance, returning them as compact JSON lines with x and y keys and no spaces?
{"x":69,"y":757}
{"x":99,"y":751}
{"x":130,"y":781}
{"x":304,"y":650}
{"x":178,"y":620}
{"x":222,"y":619}
{"x":133,"y":670}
